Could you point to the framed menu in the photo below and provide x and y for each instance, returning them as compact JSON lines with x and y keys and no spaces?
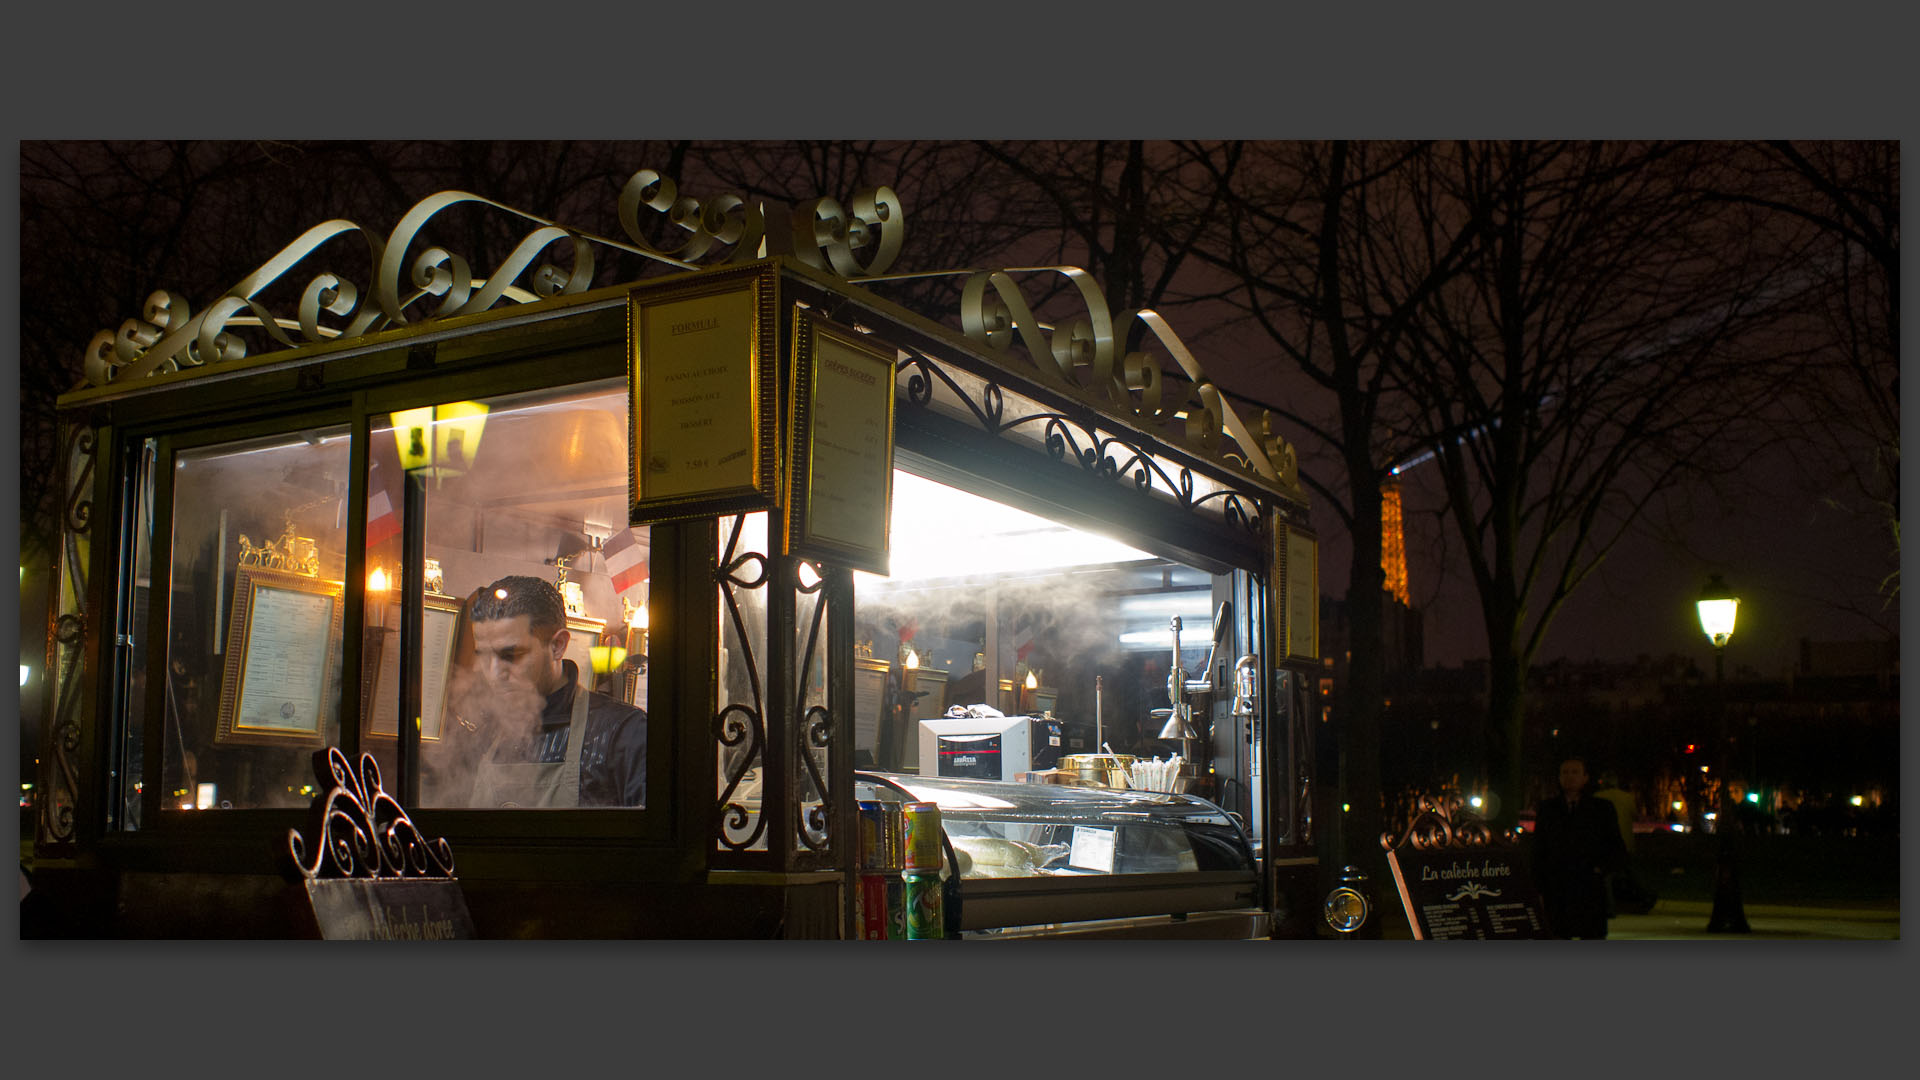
{"x":1298,"y":580}
{"x":703,"y":411}
{"x":439,"y":623}
{"x":840,"y":495}
{"x":281,"y":639}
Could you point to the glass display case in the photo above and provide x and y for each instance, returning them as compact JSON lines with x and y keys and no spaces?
{"x":1058,"y":860}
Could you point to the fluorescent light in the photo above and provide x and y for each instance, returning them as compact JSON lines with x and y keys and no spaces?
{"x":943,"y":532}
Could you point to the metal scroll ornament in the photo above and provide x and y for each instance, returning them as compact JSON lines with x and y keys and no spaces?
{"x":360,"y":831}
{"x":408,"y":278}
{"x":58,"y":787}
{"x":1445,"y":823}
{"x":815,"y":731}
{"x":1110,"y":456}
{"x":740,"y":727}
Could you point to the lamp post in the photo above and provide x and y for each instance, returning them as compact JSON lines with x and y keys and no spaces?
{"x":436,"y":441}
{"x":1718,"y":608}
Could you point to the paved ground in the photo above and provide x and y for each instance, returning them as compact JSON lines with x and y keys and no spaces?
{"x":1685,"y":920}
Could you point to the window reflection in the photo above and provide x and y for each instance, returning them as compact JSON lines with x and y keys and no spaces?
{"x":254,"y":624}
{"x":531,"y":502}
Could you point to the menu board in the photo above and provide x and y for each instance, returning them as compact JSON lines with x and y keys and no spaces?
{"x":841,"y":498}
{"x":280,"y":647}
{"x":1478,"y":893}
{"x":438,"y":623}
{"x":1301,"y":566}
{"x":703,"y":424}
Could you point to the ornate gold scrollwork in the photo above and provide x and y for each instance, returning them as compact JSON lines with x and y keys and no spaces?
{"x":437,"y":282}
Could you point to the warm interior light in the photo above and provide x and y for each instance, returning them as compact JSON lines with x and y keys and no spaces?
{"x":377,"y":581}
{"x":441,"y":438}
{"x":1032,"y":683}
{"x":637,"y":618}
{"x":607,"y":658}
{"x":204,"y":795}
{"x":1857,"y":800}
{"x":913,"y":660}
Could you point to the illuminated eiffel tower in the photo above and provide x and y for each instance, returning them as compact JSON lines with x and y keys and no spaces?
{"x":1393,"y":543}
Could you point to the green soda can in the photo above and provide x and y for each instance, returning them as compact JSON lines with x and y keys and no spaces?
{"x":926,"y":910}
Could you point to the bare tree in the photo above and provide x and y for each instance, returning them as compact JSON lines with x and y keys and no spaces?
{"x":1605,"y":342}
{"x":1845,"y":407}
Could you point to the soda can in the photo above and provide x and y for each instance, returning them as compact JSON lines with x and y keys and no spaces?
{"x":923,"y":836}
{"x":926,"y":910}
{"x":873,"y":907}
{"x":896,"y":837}
{"x":896,"y":907}
{"x":873,"y":835}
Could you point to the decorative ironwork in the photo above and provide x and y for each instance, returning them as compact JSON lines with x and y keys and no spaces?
{"x":437,"y":283}
{"x":360,"y":831}
{"x":814,"y":734}
{"x":1087,"y":356}
{"x":821,"y":232}
{"x":1111,"y":457}
{"x":58,"y":781}
{"x":740,"y":728}
{"x":290,"y":553}
{"x":1445,"y":823}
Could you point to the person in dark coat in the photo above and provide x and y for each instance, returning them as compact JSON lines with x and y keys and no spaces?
{"x":1576,"y":844}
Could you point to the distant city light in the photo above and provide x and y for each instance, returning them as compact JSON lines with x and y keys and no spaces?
{"x":1857,"y":800}
{"x":1753,"y":796}
{"x":1711,"y":815}
{"x":1678,"y":805}
{"x":1475,"y":801}
{"x":1677,"y":827}
{"x":1703,"y":768}
{"x":1344,"y":807}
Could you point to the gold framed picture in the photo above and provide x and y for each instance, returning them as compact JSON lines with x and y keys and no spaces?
{"x":703,"y":411}
{"x":839,"y":497}
{"x":281,"y":641}
{"x":439,"y":634}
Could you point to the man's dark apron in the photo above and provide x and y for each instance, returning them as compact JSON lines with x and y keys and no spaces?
{"x":535,"y":783}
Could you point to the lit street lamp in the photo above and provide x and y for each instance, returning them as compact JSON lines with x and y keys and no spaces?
{"x":1718,"y":607}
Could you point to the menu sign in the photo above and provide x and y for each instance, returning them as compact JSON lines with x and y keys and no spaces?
{"x":703,"y":422}
{"x":385,"y":909}
{"x":281,"y":644}
{"x":841,"y":498}
{"x":1300,"y":567}
{"x":1482,"y":893}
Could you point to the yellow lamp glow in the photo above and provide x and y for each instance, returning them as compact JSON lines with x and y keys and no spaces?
{"x":1718,"y":608}
{"x":1032,"y":683}
{"x":607,"y":658}
{"x":442,"y":439}
{"x":377,"y":581}
{"x":913,"y":660}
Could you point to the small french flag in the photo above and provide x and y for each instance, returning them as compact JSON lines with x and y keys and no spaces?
{"x":626,"y":563}
{"x":382,"y":523}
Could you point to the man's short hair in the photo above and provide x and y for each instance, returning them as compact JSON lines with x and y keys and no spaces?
{"x":518,"y":594}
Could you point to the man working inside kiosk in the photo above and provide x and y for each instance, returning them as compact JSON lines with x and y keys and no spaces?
{"x":553,"y":742}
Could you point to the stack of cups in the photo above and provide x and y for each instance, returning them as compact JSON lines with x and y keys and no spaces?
{"x":880,"y":903}
{"x":926,"y":914}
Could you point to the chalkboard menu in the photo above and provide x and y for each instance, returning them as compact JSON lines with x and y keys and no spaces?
{"x":1468,"y":893}
{"x":386,"y":909}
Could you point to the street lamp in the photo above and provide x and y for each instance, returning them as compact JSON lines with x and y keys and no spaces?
{"x":1718,"y":608}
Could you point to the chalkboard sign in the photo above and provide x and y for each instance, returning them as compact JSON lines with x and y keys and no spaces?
{"x":1460,"y":881}
{"x":376,"y":909}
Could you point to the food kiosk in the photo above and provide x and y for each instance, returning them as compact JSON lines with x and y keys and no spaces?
{"x":794,"y":521}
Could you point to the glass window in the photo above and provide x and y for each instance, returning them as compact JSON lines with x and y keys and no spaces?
{"x":1006,"y":614}
{"x":253,"y":655}
{"x":534,"y":638}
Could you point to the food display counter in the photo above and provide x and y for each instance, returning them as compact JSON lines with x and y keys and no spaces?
{"x":1057,"y":860}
